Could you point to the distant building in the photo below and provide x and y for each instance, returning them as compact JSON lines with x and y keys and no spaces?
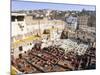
{"x":83,"y":21}
{"x":72,"y":22}
{"x":27,"y":28}
{"x":18,"y":24}
{"x":87,"y":23}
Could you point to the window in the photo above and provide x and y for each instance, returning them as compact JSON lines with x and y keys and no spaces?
{"x":20,"y":18}
{"x":20,"y":56}
{"x":13,"y":18}
{"x":30,"y":43}
{"x":46,"y":31}
{"x":20,"y":48}
{"x":12,"y":51}
{"x":33,"y":17}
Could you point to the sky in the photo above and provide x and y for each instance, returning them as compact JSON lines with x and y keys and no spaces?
{"x":29,"y":5}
